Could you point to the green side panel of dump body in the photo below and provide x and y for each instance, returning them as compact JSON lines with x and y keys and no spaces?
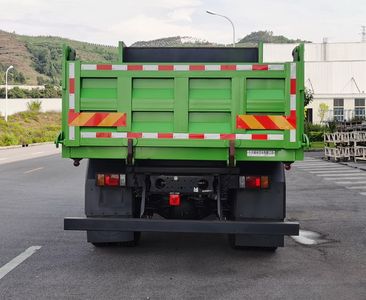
{"x":182,"y":110}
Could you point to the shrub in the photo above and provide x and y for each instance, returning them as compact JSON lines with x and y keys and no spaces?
{"x":28,"y":116}
{"x":29,"y":127}
{"x":316,"y":136}
{"x":34,"y":106}
{"x":8,"y":139}
{"x":17,"y":92}
{"x":51,"y":91}
{"x":315,"y":127}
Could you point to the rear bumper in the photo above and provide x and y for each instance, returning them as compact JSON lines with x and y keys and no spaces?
{"x":193,"y":226}
{"x":192,"y":150}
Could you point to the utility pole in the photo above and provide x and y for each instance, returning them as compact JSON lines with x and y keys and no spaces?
{"x":324,"y":48}
{"x":363,"y":34}
{"x":6,"y":92}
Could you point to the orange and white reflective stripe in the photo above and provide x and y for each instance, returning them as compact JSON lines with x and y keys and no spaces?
{"x":182,"y":67}
{"x":266,"y":122}
{"x":96,"y":119}
{"x":183,"y":136}
{"x":71,"y":92}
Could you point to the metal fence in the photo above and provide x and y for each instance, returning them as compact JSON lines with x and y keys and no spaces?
{"x":345,"y":145}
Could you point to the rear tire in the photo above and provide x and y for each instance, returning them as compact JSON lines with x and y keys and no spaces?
{"x":102,"y":245}
{"x":233,"y":245}
{"x":133,"y":243}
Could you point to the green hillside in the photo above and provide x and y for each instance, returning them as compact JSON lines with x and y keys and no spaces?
{"x":268,"y":37}
{"x":176,"y":41}
{"x":37,"y":59}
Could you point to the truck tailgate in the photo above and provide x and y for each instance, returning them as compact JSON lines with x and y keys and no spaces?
{"x":183,"y":110}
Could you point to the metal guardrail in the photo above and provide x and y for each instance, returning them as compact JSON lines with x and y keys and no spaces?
{"x":345,"y":145}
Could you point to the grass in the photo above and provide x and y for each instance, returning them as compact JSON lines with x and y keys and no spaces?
{"x":30,"y":127}
{"x":316,"y":146}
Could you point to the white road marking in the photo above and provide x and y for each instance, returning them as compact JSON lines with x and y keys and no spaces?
{"x":342,"y":174}
{"x":318,"y":165}
{"x":351,"y":182}
{"x":36,"y":153}
{"x":323,"y":169}
{"x":33,"y":170}
{"x":336,"y":171}
{"x":339,"y":174}
{"x":356,"y":187}
{"x":311,"y":161}
{"x":344,"y":178}
{"x":315,"y":164}
{"x":16,"y":261}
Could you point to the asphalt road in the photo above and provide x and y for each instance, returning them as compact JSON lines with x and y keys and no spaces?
{"x":36,"y":194}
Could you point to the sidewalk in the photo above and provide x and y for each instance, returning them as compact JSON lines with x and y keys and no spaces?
{"x":14,"y":154}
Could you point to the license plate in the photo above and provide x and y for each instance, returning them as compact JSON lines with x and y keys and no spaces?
{"x":261,"y":153}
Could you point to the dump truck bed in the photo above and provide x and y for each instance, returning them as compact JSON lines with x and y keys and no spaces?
{"x":184,"y":104}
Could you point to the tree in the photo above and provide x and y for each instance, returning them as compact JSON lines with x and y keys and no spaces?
{"x":16,"y":93}
{"x":35,"y":93}
{"x":41,"y":80}
{"x":51,"y":92}
{"x":323,"y":109}
{"x":309,"y":96}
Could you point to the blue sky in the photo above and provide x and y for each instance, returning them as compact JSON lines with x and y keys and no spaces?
{"x":109,"y":21}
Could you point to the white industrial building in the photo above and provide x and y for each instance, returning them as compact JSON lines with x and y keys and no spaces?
{"x":335,"y":72}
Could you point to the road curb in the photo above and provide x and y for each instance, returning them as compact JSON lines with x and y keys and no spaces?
{"x":353,"y":165}
{"x":314,"y":150}
{"x":21,"y":146}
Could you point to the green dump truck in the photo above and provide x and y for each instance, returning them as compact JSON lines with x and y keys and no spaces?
{"x":184,"y":140}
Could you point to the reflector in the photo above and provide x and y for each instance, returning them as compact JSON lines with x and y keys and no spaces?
{"x":174,"y":200}
{"x":100,"y":179}
{"x":242,"y":182}
{"x":264,"y":182}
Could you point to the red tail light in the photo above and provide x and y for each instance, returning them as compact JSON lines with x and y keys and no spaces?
{"x":254,"y":182}
{"x":111,"y":179}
